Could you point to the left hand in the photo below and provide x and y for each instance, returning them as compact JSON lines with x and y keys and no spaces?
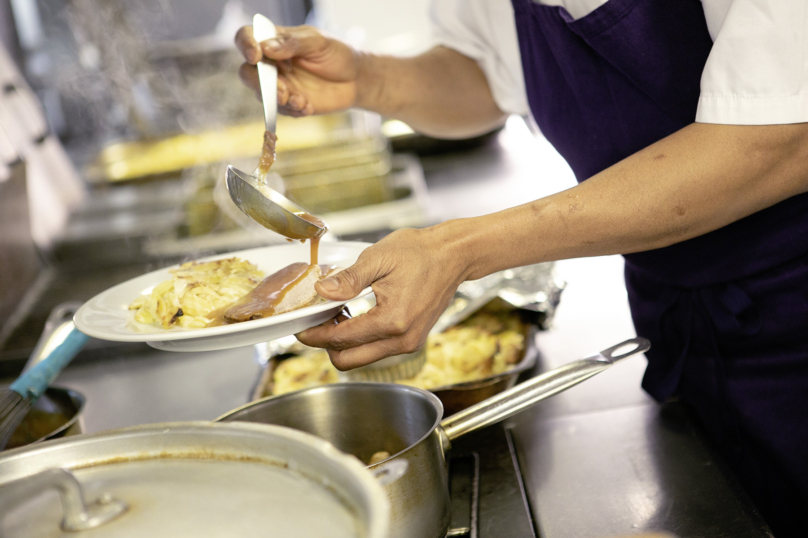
{"x":414,"y":274}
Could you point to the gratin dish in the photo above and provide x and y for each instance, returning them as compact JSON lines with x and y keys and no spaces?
{"x":455,"y":397}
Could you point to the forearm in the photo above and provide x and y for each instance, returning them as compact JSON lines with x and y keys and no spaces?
{"x":440,"y":93}
{"x":690,"y":183}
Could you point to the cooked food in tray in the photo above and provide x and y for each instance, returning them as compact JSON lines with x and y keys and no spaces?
{"x":484,"y":345}
{"x":489,"y":343}
{"x":308,"y":370}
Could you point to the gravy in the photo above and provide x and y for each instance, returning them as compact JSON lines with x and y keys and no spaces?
{"x":267,"y":153}
{"x":262,"y":301}
{"x":315,"y":240}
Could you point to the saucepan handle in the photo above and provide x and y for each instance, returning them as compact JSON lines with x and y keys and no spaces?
{"x":524,"y":395}
{"x":390,"y":471}
{"x":78,"y":514}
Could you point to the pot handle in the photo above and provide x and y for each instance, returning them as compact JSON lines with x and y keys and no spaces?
{"x":388,"y":472}
{"x":512,"y":401}
{"x":78,"y":515}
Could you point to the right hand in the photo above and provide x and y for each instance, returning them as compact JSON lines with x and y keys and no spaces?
{"x":316,"y":74}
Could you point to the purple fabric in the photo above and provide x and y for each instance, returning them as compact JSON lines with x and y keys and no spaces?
{"x":727,"y":312}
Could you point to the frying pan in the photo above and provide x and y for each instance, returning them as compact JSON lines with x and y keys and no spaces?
{"x":365,"y":418}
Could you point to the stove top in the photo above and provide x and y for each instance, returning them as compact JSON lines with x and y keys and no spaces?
{"x":488,"y":495}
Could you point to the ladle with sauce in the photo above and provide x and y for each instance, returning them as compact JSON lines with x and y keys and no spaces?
{"x":271,"y":209}
{"x":250,"y":193}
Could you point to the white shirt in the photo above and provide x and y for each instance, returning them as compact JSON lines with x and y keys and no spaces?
{"x":756,"y":73}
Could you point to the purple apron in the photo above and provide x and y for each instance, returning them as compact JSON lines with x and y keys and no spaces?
{"x":727,"y":312}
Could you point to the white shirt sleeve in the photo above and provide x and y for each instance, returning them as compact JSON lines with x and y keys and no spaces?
{"x":484,"y":30}
{"x":757,"y":71}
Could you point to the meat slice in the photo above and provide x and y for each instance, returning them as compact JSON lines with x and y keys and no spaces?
{"x":289,"y":289}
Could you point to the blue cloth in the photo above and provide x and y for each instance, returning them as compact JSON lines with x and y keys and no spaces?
{"x":726,"y":312}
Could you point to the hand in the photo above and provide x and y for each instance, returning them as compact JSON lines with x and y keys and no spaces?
{"x":316,"y":74}
{"x":414,"y":274}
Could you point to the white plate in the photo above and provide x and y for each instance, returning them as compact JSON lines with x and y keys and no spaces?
{"x":107,"y":315}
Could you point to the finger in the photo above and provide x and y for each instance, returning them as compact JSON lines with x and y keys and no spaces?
{"x":283,"y":92}
{"x":248,"y":46}
{"x":353,"y":332}
{"x":249,"y":76}
{"x":360,"y":356}
{"x":286,"y":111}
{"x":293,"y":41}
{"x":296,"y":102}
{"x":349,"y":282}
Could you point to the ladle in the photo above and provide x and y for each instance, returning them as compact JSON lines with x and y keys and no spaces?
{"x":268,"y":207}
{"x":250,"y":193}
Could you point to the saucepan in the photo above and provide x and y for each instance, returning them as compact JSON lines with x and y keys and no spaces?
{"x":58,"y":412}
{"x":366,"y":418}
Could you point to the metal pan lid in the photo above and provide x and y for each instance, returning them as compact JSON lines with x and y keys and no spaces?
{"x":189,"y":479}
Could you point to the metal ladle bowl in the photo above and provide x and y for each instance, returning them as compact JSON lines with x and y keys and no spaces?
{"x":268,"y":207}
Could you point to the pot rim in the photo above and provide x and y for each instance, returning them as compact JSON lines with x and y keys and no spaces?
{"x":434,"y":400}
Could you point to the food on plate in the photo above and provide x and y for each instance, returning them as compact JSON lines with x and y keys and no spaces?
{"x":305,"y":371}
{"x":208,"y":294}
{"x":289,"y":289}
{"x":195,"y":292}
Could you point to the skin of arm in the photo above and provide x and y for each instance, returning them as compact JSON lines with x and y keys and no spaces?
{"x":696,"y":180}
{"x":440,"y":92}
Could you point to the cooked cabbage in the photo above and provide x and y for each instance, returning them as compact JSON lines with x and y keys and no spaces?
{"x":196,"y":293}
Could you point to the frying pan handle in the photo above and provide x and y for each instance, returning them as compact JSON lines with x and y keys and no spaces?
{"x":524,"y":395}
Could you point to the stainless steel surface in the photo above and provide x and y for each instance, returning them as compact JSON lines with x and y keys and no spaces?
{"x":363,"y":418}
{"x":629,"y":470}
{"x":204,"y":479}
{"x":268,"y":207}
{"x":263,"y":29}
{"x":19,"y":260}
{"x":527,"y":394}
{"x":78,"y":514}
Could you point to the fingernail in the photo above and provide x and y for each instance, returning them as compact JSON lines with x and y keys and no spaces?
{"x":330,"y":284}
{"x":272,"y":44}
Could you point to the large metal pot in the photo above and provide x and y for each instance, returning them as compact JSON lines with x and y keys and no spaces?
{"x":365,"y":418}
{"x":192,"y":479}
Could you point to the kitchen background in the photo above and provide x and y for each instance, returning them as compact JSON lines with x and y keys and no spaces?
{"x":121,"y":116}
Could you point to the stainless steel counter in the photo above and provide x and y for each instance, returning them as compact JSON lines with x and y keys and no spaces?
{"x":599,"y":460}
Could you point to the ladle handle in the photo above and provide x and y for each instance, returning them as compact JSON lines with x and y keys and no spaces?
{"x":524,"y":395}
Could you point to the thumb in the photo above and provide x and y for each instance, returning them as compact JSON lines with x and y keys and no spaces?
{"x":349,"y":282}
{"x":293,"y":41}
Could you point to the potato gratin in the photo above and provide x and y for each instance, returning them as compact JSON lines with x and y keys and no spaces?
{"x":490,"y":342}
{"x":196,"y":292}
